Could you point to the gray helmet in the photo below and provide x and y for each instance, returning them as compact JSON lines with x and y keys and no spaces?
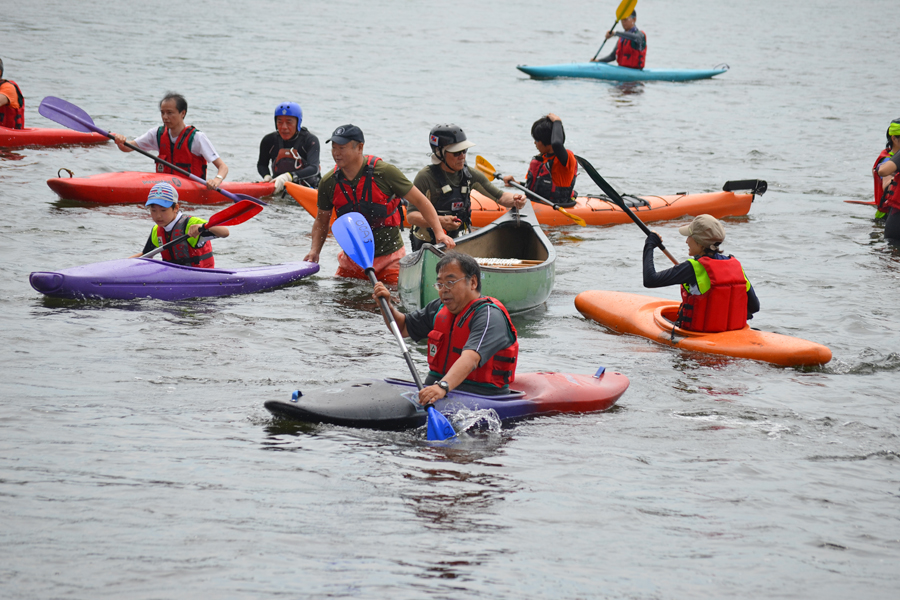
{"x":448,"y":137}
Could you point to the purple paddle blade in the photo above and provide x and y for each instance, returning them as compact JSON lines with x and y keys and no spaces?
{"x":69,"y":115}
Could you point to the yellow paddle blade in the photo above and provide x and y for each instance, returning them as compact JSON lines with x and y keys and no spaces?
{"x":625,"y":9}
{"x":575,"y":218}
{"x":485,"y":167}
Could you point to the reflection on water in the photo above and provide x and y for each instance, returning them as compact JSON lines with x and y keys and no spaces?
{"x":626,"y":88}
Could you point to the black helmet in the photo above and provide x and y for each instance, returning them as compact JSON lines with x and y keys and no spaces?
{"x":448,"y":137}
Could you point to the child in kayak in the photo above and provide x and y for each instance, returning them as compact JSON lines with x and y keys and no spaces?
{"x":171,"y":223}
{"x":552,"y":172}
{"x":715,"y":293}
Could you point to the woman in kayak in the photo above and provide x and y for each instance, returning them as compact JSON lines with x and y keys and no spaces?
{"x":291,"y":150}
{"x":715,"y":293}
{"x":887,"y":183}
{"x":171,"y":223}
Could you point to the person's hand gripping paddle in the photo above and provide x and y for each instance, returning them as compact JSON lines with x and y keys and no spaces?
{"x":71,"y":116}
{"x":626,"y":7}
{"x":354,"y":236}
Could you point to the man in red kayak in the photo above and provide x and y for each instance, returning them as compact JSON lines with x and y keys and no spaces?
{"x":196,"y":250}
{"x":291,"y":150}
{"x":366,"y":184}
{"x":552,"y":172}
{"x":447,"y":183}
{"x":631,"y":49}
{"x":12,"y":103}
{"x":177,"y":143}
{"x":886,"y":175}
{"x":715,"y":293}
{"x":472,"y":343}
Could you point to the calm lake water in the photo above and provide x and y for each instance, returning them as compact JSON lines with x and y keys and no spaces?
{"x":137,"y":459}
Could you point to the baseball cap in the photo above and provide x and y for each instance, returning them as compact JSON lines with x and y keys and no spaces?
{"x":347,"y":133}
{"x":705,"y":229}
{"x":163,"y":194}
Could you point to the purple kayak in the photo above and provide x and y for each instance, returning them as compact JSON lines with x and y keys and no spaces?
{"x":130,"y":278}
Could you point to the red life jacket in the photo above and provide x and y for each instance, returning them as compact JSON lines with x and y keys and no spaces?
{"x":379,"y":209}
{"x":886,"y":197}
{"x":183,"y":253}
{"x":449,"y":336}
{"x":179,"y":152}
{"x":628,"y":56}
{"x":14,"y":118}
{"x":722,"y":302}
{"x":540,"y":181}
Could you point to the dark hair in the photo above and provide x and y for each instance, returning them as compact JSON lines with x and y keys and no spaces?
{"x":633,"y":15}
{"x":1,"y":66}
{"x":541,"y":130}
{"x":466,"y":264}
{"x":180,"y":102}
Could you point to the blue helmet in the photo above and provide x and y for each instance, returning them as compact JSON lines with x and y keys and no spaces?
{"x":289,"y":109}
{"x":163,"y":194}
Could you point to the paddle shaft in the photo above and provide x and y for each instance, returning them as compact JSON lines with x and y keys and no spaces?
{"x":604,"y":41}
{"x":395,"y":329}
{"x":233,"y":215}
{"x":612,"y":193}
{"x":533,"y":195}
{"x":161,"y":161}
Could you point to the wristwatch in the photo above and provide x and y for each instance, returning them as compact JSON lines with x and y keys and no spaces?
{"x":444,"y":386}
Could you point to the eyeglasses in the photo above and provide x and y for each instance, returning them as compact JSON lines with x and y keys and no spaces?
{"x":439,"y":286}
{"x":458,"y":154}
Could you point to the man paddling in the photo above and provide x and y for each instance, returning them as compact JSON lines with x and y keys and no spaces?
{"x":552,"y":172}
{"x":291,"y":150}
{"x":715,"y":293}
{"x":171,"y":223}
{"x":631,"y":49}
{"x":183,"y":145}
{"x":447,"y":182}
{"x":887,"y":177}
{"x":366,"y":184}
{"x":12,"y":103}
{"x":472,"y":343}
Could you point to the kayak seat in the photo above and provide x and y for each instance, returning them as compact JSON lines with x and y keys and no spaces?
{"x":511,"y":395}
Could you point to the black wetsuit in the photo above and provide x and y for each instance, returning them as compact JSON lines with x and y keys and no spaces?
{"x":307,"y":146}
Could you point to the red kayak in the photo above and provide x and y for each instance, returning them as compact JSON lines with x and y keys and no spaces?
{"x":33,"y":136}
{"x":131,"y":187}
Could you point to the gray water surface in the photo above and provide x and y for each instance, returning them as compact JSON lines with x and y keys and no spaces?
{"x":137,"y":460}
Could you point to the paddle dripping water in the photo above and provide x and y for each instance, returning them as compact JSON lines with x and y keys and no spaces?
{"x":137,"y":457}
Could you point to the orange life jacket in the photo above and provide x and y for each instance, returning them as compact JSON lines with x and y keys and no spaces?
{"x":540,"y":181}
{"x":14,"y":118}
{"x":886,"y":197}
{"x":183,"y":253}
{"x":379,"y":209}
{"x":179,"y":152}
{"x":449,"y":336}
{"x":722,"y":302}
{"x":629,"y":56}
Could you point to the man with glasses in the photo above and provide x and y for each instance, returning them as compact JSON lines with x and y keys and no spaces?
{"x":447,"y":182}
{"x":472,"y":343}
{"x":366,"y":184}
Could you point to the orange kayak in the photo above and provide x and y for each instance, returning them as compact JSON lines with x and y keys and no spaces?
{"x":35,"y":136}
{"x":652,"y":318}
{"x":131,"y":187}
{"x":597,"y":210}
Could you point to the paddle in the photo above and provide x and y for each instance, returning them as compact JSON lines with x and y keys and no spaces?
{"x":235,"y":214}
{"x":354,"y":236}
{"x":614,"y":195}
{"x":73,"y":117}
{"x":626,"y":7}
{"x":487,"y":168}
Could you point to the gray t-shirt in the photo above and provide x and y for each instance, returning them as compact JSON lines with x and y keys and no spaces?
{"x":489,"y":331}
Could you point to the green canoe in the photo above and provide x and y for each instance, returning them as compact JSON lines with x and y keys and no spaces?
{"x":521,"y":278}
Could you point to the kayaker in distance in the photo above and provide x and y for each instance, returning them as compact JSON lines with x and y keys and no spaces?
{"x":291,"y":150}
{"x":631,"y":48}
{"x":366,"y":184}
{"x":472,"y":343}
{"x":552,"y":172}
{"x":887,"y":177}
{"x":196,"y":251}
{"x":12,"y":103}
{"x":715,"y":293}
{"x":447,"y":182}
{"x":185,"y":146}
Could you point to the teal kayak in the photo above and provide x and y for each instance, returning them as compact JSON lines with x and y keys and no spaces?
{"x":596,"y":70}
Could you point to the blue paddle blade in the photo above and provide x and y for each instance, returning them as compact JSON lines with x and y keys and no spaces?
{"x":66,"y":113}
{"x":354,"y":236}
{"x":439,"y":428}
